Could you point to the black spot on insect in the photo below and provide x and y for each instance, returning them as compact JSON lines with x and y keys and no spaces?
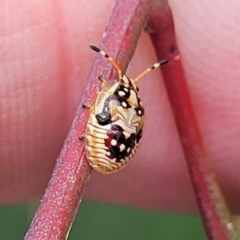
{"x":130,"y":142}
{"x":139,"y":111}
{"x":116,"y":127}
{"x":120,"y":138}
{"x":139,"y":135}
{"x":121,"y":101}
{"x":125,"y":104}
{"x":103,"y":118}
{"x":125,"y":92}
{"x":115,"y":153}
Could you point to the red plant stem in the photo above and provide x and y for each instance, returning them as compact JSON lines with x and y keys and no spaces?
{"x":215,"y":215}
{"x":65,"y":190}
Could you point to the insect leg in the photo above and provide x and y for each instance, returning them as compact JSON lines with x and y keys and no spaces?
{"x":84,"y":106}
{"x":81,"y":137}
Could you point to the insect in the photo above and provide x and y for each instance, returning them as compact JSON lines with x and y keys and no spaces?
{"x":116,"y":119}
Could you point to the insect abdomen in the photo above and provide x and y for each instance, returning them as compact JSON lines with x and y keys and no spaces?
{"x":110,"y":147}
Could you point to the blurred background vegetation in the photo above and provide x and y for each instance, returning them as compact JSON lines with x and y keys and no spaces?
{"x":99,"y":221}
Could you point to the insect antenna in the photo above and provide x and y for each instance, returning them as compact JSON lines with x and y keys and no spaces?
{"x":154,"y":66}
{"x":112,"y":61}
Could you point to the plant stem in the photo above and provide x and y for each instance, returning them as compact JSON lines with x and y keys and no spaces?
{"x":215,"y":214}
{"x":71,"y":173}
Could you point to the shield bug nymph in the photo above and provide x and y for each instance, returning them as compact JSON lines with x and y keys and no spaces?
{"x":116,"y":119}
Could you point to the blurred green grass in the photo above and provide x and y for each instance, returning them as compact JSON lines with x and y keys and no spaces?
{"x":98,"y":221}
